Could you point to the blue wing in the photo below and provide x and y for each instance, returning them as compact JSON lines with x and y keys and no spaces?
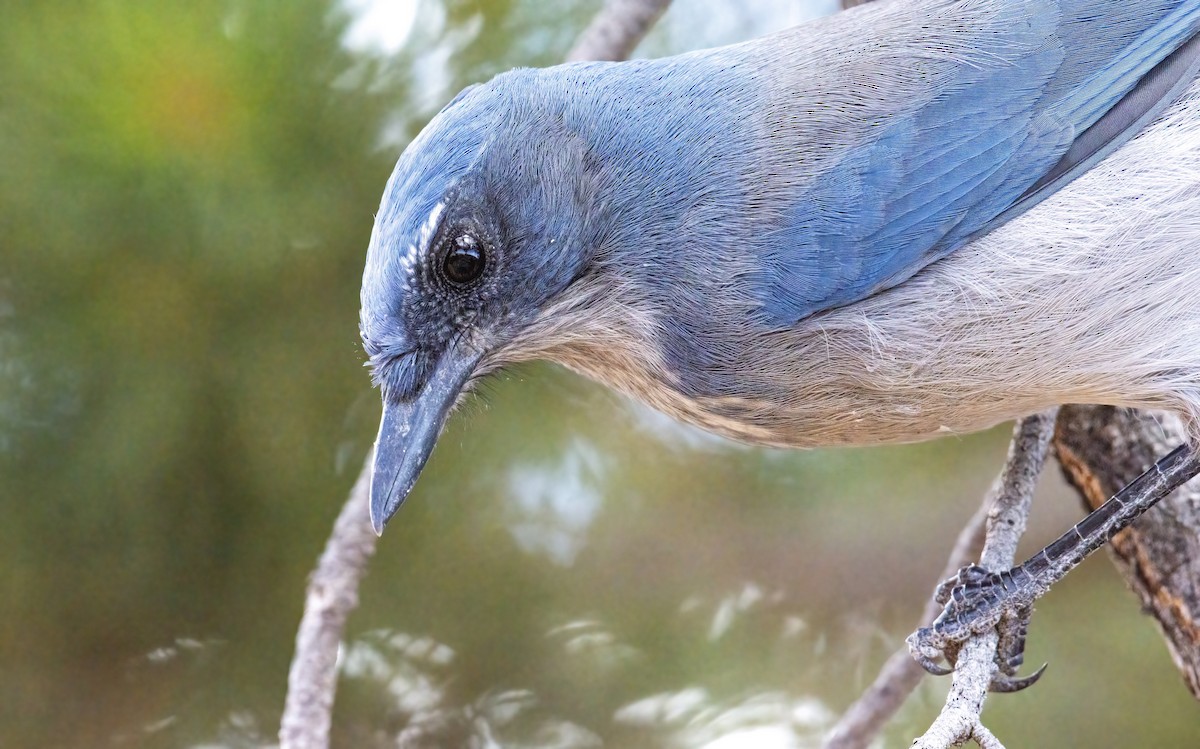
{"x":990,"y":145}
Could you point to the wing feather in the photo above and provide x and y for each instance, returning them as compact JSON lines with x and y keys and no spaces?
{"x":996,"y":138}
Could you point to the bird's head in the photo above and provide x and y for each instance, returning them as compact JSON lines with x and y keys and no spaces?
{"x":483,"y":223}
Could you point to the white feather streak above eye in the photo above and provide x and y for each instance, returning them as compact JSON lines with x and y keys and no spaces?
{"x":419,"y":248}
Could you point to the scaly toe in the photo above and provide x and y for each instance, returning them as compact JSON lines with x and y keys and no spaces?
{"x":1009,"y":684}
{"x":926,"y":653}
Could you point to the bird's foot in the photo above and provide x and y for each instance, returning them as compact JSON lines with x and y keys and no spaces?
{"x":975,"y":601}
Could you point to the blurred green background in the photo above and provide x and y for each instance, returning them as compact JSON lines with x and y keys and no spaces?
{"x":186,"y":194}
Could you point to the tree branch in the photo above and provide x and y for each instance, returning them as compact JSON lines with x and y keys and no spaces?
{"x":617,"y":29}
{"x":1003,"y":510}
{"x":332,"y":595}
{"x":1101,"y":449}
{"x":975,"y":667}
{"x":900,"y":675}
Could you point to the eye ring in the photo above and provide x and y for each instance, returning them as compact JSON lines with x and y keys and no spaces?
{"x":465,"y":260}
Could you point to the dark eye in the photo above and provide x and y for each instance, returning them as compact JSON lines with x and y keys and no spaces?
{"x":465,"y":261}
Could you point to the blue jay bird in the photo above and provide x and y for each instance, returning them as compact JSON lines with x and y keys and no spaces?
{"x":910,"y":219}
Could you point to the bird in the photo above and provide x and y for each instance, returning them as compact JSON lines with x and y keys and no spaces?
{"x":911,"y":219}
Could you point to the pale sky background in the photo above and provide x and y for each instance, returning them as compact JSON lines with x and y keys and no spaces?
{"x":383,"y":26}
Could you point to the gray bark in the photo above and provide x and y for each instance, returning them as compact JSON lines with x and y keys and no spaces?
{"x":1101,"y":449}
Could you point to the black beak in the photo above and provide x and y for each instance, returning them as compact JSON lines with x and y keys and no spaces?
{"x":409,"y":430}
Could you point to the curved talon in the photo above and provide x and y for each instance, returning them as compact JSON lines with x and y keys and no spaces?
{"x":933,"y":667}
{"x":1007,"y":684}
{"x":925,"y":653}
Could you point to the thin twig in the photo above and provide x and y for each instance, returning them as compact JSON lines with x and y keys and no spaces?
{"x":900,"y":675}
{"x":959,"y":719}
{"x":617,"y":29}
{"x":333,"y":587}
{"x":332,"y":595}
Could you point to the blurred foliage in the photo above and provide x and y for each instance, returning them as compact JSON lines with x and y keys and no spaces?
{"x":186,"y":193}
